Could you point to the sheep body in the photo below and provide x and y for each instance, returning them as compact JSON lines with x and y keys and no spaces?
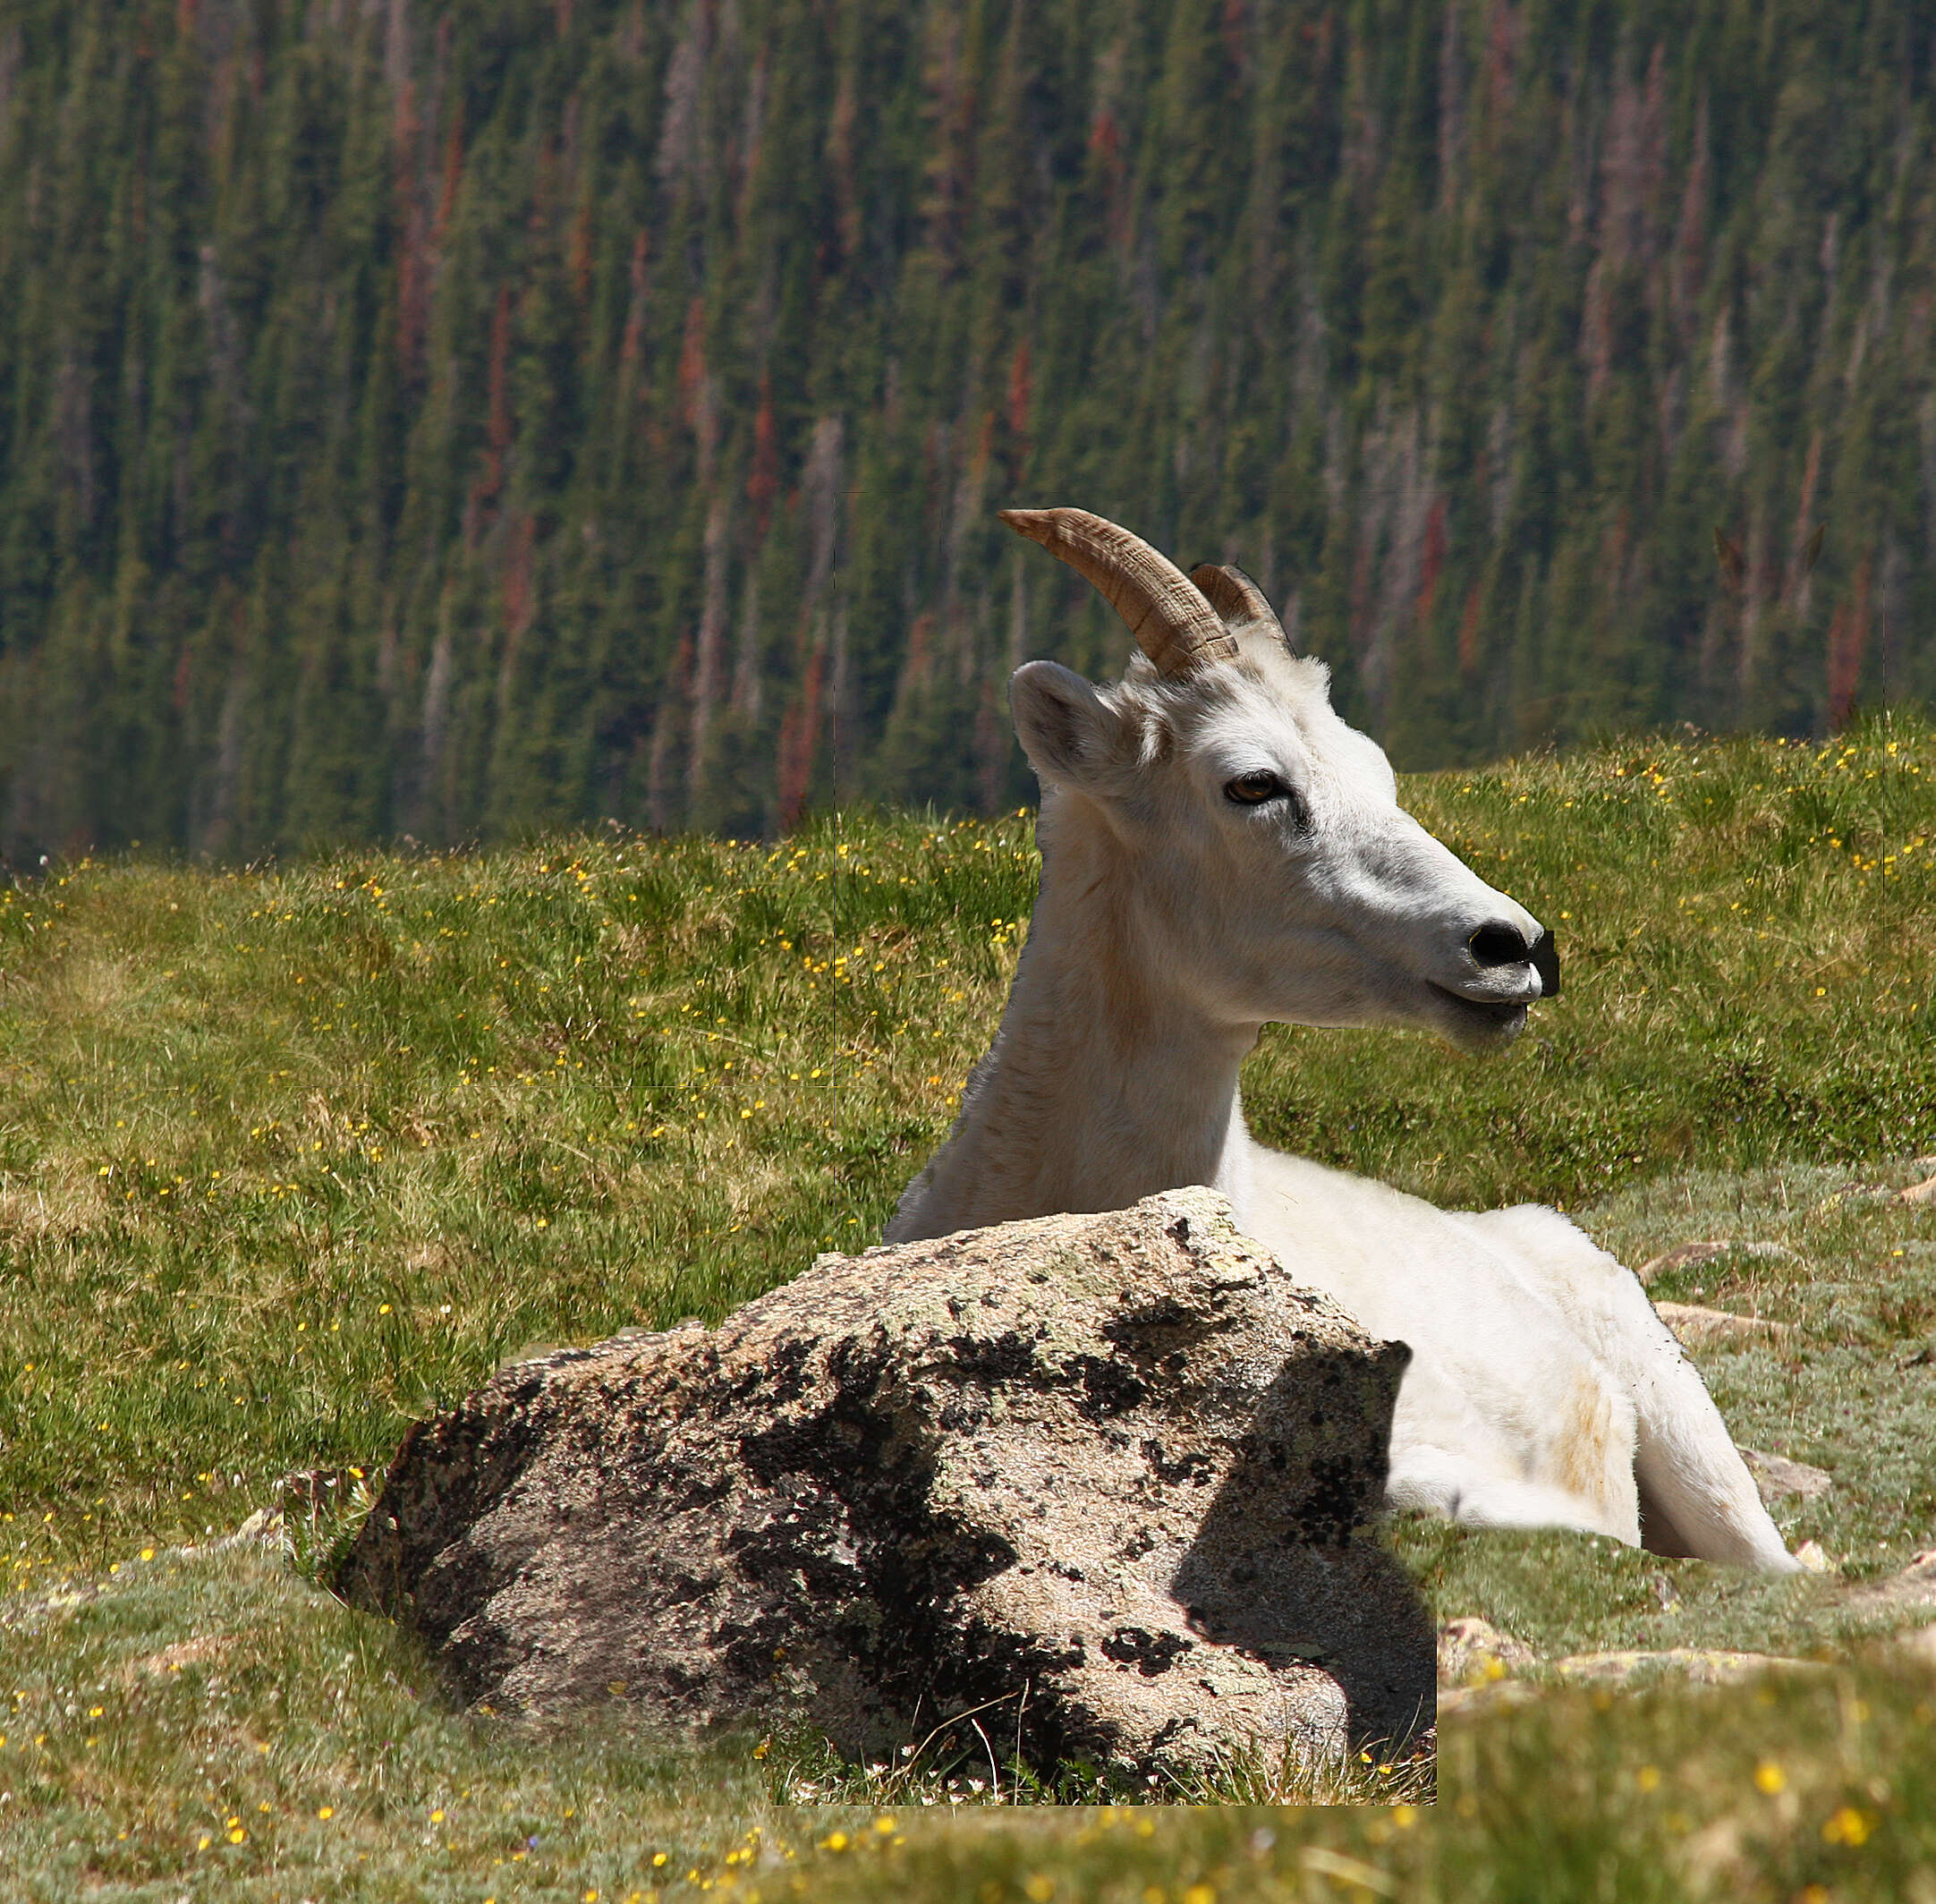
{"x":1219,"y":850}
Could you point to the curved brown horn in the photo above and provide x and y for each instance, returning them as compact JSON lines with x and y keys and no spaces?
{"x":1235,"y":597}
{"x":1173,"y":623}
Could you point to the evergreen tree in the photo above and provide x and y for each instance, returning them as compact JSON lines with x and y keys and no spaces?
{"x":457,"y":420}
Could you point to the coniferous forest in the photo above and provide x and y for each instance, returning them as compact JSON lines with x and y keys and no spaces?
{"x":453,"y":420}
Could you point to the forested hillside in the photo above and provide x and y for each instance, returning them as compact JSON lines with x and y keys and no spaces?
{"x":452,"y":419}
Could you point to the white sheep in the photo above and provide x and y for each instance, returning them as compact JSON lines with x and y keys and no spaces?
{"x":1219,"y":850}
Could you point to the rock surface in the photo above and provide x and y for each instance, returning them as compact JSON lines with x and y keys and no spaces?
{"x":1473,"y":1651}
{"x":1698,"y":1665}
{"x":1776,"y":1475}
{"x":1690,"y":1255}
{"x":1482,"y":1669}
{"x":1684,"y":1257}
{"x":1698,"y":1328}
{"x":1105,"y":1476}
{"x":1911,"y":1590}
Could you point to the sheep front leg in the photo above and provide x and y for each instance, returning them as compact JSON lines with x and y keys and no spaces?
{"x":1697,"y":1495}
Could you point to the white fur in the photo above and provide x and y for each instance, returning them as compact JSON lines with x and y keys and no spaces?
{"x":1172,"y":925}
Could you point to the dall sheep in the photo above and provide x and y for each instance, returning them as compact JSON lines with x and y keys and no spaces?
{"x":1220,"y":850}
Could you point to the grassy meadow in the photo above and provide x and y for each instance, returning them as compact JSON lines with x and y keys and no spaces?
{"x":293,"y":1155}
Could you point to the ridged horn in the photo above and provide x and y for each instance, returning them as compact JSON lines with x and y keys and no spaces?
{"x":1164,"y":609}
{"x":1235,"y":597}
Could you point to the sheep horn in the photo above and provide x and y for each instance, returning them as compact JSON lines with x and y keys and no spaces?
{"x":1173,"y":623}
{"x":1236,"y":597}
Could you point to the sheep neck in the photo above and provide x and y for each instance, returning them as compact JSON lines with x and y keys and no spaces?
{"x":1108,"y":1081}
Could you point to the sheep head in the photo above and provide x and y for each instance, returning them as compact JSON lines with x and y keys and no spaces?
{"x":1264,"y":847}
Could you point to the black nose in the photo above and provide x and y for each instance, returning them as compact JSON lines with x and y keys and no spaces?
{"x":1497,"y":945}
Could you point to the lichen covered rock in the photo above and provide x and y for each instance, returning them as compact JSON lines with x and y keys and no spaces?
{"x":1109,"y":1472}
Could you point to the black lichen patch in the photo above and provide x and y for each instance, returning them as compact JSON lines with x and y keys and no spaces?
{"x":1150,"y":1653}
{"x":1109,"y":1386}
{"x":1195,"y":1466}
{"x":1010,"y":1356}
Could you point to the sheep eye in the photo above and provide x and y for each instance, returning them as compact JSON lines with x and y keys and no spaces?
{"x":1253,"y":789}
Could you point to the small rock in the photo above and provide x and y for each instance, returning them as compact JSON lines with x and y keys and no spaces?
{"x":1473,"y":1652}
{"x":1698,"y":1328}
{"x":1700,"y":1665}
{"x":263,"y":1528}
{"x":1815,"y":1557}
{"x":1775,"y":1475}
{"x":1689,"y":1254}
{"x":1684,"y":1257}
{"x":1913,"y":1586}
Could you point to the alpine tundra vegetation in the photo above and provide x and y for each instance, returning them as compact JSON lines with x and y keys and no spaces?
{"x":293,"y":1156}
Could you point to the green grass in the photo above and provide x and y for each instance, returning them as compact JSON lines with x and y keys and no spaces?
{"x":219,"y":1723}
{"x":290,"y":1156}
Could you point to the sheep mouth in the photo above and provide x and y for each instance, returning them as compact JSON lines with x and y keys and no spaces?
{"x":1481,"y":1022}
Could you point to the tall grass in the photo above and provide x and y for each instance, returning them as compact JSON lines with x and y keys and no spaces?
{"x":290,"y":1156}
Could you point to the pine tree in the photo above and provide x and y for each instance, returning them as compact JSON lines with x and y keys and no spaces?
{"x":433,"y":420}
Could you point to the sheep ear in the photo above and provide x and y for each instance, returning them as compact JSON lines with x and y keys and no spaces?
{"x":1072,"y":735}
